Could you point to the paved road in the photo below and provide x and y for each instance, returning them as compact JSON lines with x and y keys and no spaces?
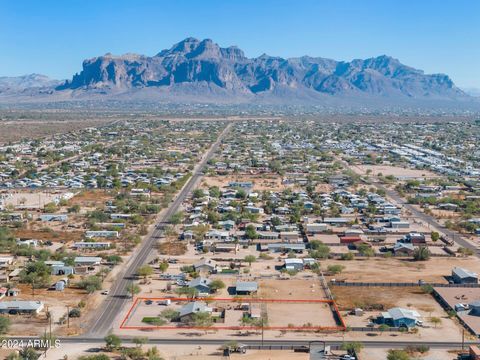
{"x":95,"y":341}
{"x":116,"y":301}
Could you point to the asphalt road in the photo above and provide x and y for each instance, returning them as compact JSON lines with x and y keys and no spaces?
{"x":386,"y":344}
{"x":118,"y":297}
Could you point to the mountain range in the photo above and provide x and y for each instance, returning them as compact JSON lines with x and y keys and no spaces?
{"x":201,"y":70}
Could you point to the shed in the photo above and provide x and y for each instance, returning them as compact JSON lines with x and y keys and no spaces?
{"x":246,"y":287}
{"x":294,"y":264}
{"x":464,"y":276}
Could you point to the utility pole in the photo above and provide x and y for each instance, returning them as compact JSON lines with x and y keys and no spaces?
{"x":262,"y":331}
{"x":68,"y":316}
{"x":463,"y":339}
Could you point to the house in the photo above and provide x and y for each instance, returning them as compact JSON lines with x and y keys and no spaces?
{"x":254,"y":209}
{"x":54,"y":217}
{"x":286,"y":247}
{"x":54,"y":263}
{"x":227,"y":224}
{"x":101,"y":233}
{"x":399,"y":224}
{"x":205,"y":265}
{"x":349,"y":239}
{"x":191,"y":308}
{"x":294,"y":264}
{"x":5,"y":261}
{"x":241,"y":184}
{"x":403,"y":249}
{"x":217,"y":235}
{"x":91,"y":245}
{"x":414,"y":238}
{"x":464,"y":276}
{"x":289,"y":236}
{"x":336,"y":221}
{"x":400,"y":317}
{"x":475,"y":308}
{"x":316,"y":228}
{"x":246,"y":287}
{"x":21,"y":307}
{"x":28,"y":242}
{"x":232,"y":247}
{"x":87,"y":261}
{"x":267,"y":235}
{"x":120,"y":216}
{"x":62,"y":270}
{"x":202,"y":285}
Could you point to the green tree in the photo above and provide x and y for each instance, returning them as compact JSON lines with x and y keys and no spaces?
{"x":202,"y":319}
{"x":335,"y":269}
{"x":4,"y":324}
{"x":319,"y":250}
{"x":37,"y":274}
{"x":365,"y":250}
{"x":435,"y":236}
{"x":421,"y":254}
{"x":145,"y":271}
{"x":133,"y":289}
{"x":394,"y":354}
{"x":250,"y":259}
{"x":170,"y":314}
{"x":94,"y":357}
{"x":250,"y":232}
{"x":216,"y":285}
{"x":352,"y":346}
{"x":90,"y":283}
{"x":435,"y":321}
{"x":112,"y":342}
{"x":177,"y":218}
{"x":153,"y":354}
{"x":140,"y":340}
{"x":163,"y":266}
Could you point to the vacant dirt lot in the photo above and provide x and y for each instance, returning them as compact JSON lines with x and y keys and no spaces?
{"x":54,"y":236}
{"x":387,"y":170}
{"x":260,"y":182}
{"x":401,"y":270}
{"x":18,"y":130}
{"x":376,"y":297}
{"x":305,"y":289}
{"x":91,"y":198}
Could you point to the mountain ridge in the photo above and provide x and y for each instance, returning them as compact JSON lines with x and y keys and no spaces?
{"x":200,"y":69}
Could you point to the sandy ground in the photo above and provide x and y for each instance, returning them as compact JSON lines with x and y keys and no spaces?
{"x":30,"y":199}
{"x":401,"y":270}
{"x":387,"y":170}
{"x":455,"y":296}
{"x":279,"y":314}
{"x":409,"y":298}
{"x":260,"y":182}
{"x":435,"y":354}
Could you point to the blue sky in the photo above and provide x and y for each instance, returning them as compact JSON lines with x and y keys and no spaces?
{"x":53,"y":37}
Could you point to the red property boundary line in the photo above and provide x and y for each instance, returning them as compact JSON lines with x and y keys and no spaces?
{"x":332,"y":304}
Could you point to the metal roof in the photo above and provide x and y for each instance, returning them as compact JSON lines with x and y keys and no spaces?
{"x":246,"y":286}
{"x":401,"y":313}
{"x":194,"y":307}
{"x":21,"y":305}
{"x":464,"y":273}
